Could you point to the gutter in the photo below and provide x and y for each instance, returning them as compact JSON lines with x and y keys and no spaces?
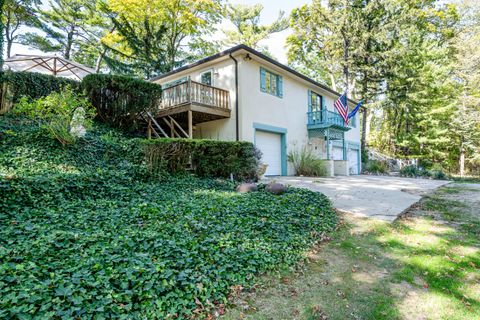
{"x":237,"y":135}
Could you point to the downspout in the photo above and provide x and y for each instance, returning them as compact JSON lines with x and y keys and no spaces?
{"x":236,"y":98}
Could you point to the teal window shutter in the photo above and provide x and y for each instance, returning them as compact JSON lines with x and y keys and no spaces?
{"x":263,"y":85}
{"x":310,"y":100}
{"x":324,"y":106}
{"x":280,"y":86}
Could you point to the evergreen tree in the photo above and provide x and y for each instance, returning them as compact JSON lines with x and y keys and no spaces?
{"x":347,"y":44}
{"x":15,"y":14}
{"x":63,"y":26}
{"x":2,"y":2}
{"x":248,"y":31}
{"x":155,"y":37}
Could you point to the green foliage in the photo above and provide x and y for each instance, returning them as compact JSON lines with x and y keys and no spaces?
{"x":306,"y":163}
{"x":375,"y":167}
{"x":82,"y":235}
{"x":62,"y":114}
{"x":208,"y":158}
{"x":151,"y":37}
{"x":119,"y":100}
{"x":16,"y":14}
{"x":62,"y":27}
{"x":30,"y":84}
{"x":248,"y":30}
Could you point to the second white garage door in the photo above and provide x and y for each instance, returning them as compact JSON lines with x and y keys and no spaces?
{"x":271,"y":146}
{"x":353,"y":161}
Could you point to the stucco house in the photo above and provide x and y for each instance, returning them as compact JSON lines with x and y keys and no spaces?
{"x":242,"y":94}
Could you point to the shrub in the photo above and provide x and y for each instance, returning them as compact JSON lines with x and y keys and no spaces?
{"x":436,"y":172}
{"x":15,"y":85}
{"x":375,"y":167}
{"x":208,"y":158}
{"x":60,"y":114}
{"x":306,"y":163}
{"x":119,"y":100}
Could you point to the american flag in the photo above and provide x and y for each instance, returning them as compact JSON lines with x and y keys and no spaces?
{"x":342,"y":107}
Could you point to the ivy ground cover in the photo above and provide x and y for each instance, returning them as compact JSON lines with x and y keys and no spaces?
{"x":85,"y":234}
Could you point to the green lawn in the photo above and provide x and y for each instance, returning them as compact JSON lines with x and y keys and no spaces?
{"x":426,"y":266}
{"x":84,"y":231}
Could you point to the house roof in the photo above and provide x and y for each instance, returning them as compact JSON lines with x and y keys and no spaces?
{"x":256,"y":53}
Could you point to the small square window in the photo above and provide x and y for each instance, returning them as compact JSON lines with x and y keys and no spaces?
{"x":271,"y":83}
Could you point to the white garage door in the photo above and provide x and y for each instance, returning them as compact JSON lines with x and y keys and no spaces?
{"x":271,"y":146}
{"x":353,"y":161}
{"x":337,"y":153}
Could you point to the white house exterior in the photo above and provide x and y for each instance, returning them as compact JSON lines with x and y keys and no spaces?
{"x":271,"y":105}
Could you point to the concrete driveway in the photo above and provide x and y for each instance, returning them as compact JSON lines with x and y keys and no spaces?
{"x":373,"y":196}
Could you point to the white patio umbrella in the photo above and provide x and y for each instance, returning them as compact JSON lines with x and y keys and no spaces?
{"x":53,"y":65}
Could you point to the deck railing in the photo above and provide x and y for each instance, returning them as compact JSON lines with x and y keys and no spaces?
{"x":194,"y":92}
{"x":325,"y":117}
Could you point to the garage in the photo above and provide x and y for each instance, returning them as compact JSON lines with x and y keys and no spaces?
{"x":353,"y":157}
{"x":270,"y":144}
{"x":337,"y":153}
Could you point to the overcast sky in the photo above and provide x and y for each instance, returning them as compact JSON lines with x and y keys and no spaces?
{"x":276,"y":43}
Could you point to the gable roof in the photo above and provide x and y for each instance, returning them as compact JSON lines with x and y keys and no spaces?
{"x":259,"y":55}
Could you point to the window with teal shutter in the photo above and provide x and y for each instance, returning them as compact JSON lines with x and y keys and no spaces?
{"x":309,"y":100}
{"x":280,"y":86}
{"x":271,"y":83}
{"x":263,"y":82}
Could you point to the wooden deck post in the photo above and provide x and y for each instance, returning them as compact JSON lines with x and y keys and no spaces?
{"x":149,"y":130}
{"x":190,"y":124}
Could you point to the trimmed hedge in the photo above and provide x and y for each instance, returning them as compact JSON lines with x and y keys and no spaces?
{"x":14,"y":85}
{"x":208,"y":158}
{"x":119,"y":100}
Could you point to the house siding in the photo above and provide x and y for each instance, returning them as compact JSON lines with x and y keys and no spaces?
{"x":260,"y":108}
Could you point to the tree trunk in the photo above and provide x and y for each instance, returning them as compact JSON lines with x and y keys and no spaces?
{"x":68,"y":47}
{"x":365,"y":124}
{"x":98,"y":63}
{"x":9,"y":48}
{"x":462,"y":161}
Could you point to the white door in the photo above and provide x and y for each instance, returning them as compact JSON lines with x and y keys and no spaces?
{"x":337,"y":153}
{"x":270,"y":144}
{"x":353,"y":161}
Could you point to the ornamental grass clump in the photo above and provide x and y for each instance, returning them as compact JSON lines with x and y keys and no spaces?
{"x":306,"y":163}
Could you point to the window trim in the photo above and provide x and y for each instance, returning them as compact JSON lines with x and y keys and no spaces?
{"x":210,"y":70}
{"x":174,"y":82}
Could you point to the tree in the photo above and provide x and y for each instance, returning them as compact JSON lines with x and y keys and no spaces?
{"x":173,"y":24}
{"x":346,"y":44}
{"x":63,"y":25}
{"x":418,"y":105}
{"x":2,"y":2}
{"x":248,"y":31}
{"x":465,"y":125}
{"x":15,"y":14}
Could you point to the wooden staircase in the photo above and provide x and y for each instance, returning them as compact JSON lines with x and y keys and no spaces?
{"x":160,"y":130}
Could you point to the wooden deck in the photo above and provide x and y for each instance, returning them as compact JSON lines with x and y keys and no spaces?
{"x":183,"y":106}
{"x":206,"y":102}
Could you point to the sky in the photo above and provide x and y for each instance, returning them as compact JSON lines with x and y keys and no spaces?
{"x":276,"y":43}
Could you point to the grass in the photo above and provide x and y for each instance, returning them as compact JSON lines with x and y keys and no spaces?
{"x":86,"y":233}
{"x":424,"y":266}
